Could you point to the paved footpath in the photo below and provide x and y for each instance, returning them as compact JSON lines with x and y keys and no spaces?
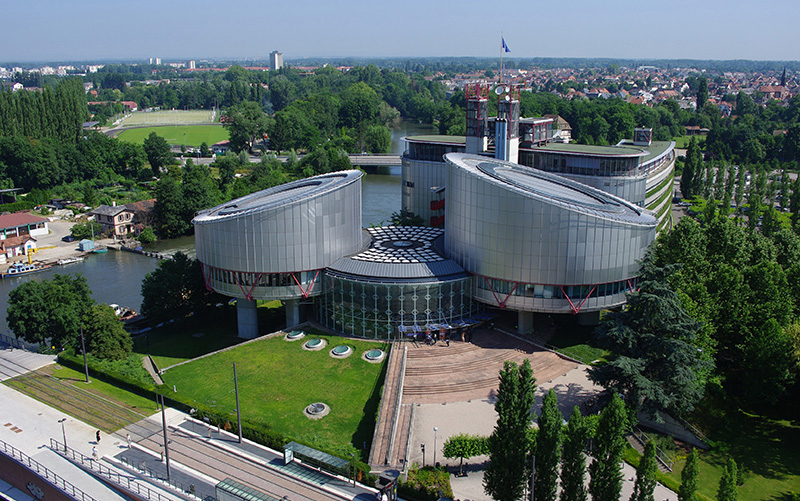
{"x":478,"y":417}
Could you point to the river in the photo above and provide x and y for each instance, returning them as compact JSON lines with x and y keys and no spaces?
{"x":116,"y":277}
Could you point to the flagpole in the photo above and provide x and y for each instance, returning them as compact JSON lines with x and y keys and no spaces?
{"x":502,"y":49}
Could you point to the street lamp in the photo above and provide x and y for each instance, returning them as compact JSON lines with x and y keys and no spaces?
{"x":422,"y":446}
{"x":63,"y":432}
{"x":435,"y":437}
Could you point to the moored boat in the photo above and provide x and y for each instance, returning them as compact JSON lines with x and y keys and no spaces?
{"x":69,"y":260}
{"x":18,"y":269}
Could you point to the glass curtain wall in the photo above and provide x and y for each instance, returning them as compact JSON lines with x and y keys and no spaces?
{"x":375,"y":310}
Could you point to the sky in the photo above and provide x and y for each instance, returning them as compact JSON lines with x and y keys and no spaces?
{"x":87,"y":30}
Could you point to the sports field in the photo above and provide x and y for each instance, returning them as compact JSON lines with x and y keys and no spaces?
{"x":170,"y":117}
{"x":174,"y":134}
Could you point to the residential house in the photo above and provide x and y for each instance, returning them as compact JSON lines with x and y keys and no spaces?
{"x":116,"y":219}
{"x":143,"y":213}
{"x":12,"y":247}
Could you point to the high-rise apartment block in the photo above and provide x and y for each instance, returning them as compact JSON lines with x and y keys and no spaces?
{"x":275,"y":60}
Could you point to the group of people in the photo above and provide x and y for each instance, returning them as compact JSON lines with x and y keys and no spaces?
{"x":431,"y":338}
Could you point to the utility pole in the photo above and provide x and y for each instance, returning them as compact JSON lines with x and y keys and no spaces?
{"x":164,"y":426}
{"x":238,"y":409}
{"x":85,"y":364}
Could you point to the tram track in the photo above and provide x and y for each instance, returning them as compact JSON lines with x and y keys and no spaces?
{"x":192,"y":452}
{"x":82,"y":404}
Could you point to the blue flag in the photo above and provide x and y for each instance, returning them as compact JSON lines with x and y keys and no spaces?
{"x":505,"y":47}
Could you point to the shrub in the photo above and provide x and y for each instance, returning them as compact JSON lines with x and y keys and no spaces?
{"x":426,"y":484}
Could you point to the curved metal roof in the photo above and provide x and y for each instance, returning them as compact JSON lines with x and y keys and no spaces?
{"x":285,"y":194}
{"x":551,"y":188}
{"x":407,"y":253}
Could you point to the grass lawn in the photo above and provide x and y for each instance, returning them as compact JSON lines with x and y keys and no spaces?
{"x":576,"y":341}
{"x":170,"y":117}
{"x":174,"y":134}
{"x":767,"y":449}
{"x":176,"y":343}
{"x":278,"y":379}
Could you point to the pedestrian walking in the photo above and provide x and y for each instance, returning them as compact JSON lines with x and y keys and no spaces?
{"x":447,"y":337}
{"x":128,"y":438}
{"x":463,"y":335}
{"x":94,"y":453}
{"x":428,"y":338}
{"x":97,"y":435}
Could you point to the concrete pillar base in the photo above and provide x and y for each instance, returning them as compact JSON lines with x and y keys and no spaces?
{"x":247,"y":318}
{"x":524,"y":322}
{"x":292,"y":312}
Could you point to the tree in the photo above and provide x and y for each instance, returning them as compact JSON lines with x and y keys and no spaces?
{"x":691,"y":169}
{"x":609,"y":443}
{"x":49,"y":310}
{"x":174,"y":290}
{"x":702,"y":92}
{"x":646,"y":472}
{"x":548,"y":449}
{"x":464,"y":446}
{"x":406,"y":218}
{"x":689,"y":476}
{"x":377,"y":139}
{"x":245,"y":123}
{"x":360,"y":105}
{"x":170,"y":208}
{"x":728,"y":490}
{"x":158,"y":152}
{"x":89,"y":229}
{"x":204,"y":152}
{"x":573,"y":464}
{"x":504,"y":477}
{"x":105,"y":337}
{"x":656,"y":363}
{"x":147,"y":236}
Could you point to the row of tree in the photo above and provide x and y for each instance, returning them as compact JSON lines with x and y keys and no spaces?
{"x":551,"y":459}
{"x":56,"y":113}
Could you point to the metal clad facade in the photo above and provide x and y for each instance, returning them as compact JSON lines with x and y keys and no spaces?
{"x":291,"y":232}
{"x":524,"y":247}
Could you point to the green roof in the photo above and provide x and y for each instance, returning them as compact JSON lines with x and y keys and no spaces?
{"x":438,"y":139}
{"x":655,"y":149}
{"x":586,"y":149}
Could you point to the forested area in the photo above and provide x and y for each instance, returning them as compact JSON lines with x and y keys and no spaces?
{"x":42,"y":144}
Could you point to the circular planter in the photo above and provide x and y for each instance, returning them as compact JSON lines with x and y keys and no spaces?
{"x":294,"y":335}
{"x":341,"y":351}
{"x":374,"y":356}
{"x":317,"y":410}
{"x":315,"y":344}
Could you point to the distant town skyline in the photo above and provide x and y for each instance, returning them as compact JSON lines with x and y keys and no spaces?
{"x":87,"y":30}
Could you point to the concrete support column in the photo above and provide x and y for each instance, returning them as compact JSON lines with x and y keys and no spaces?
{"x":247,"y":318}
{"x":524,"y":322}
{"x":292,"y":312}
{"x":589,"y":318}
